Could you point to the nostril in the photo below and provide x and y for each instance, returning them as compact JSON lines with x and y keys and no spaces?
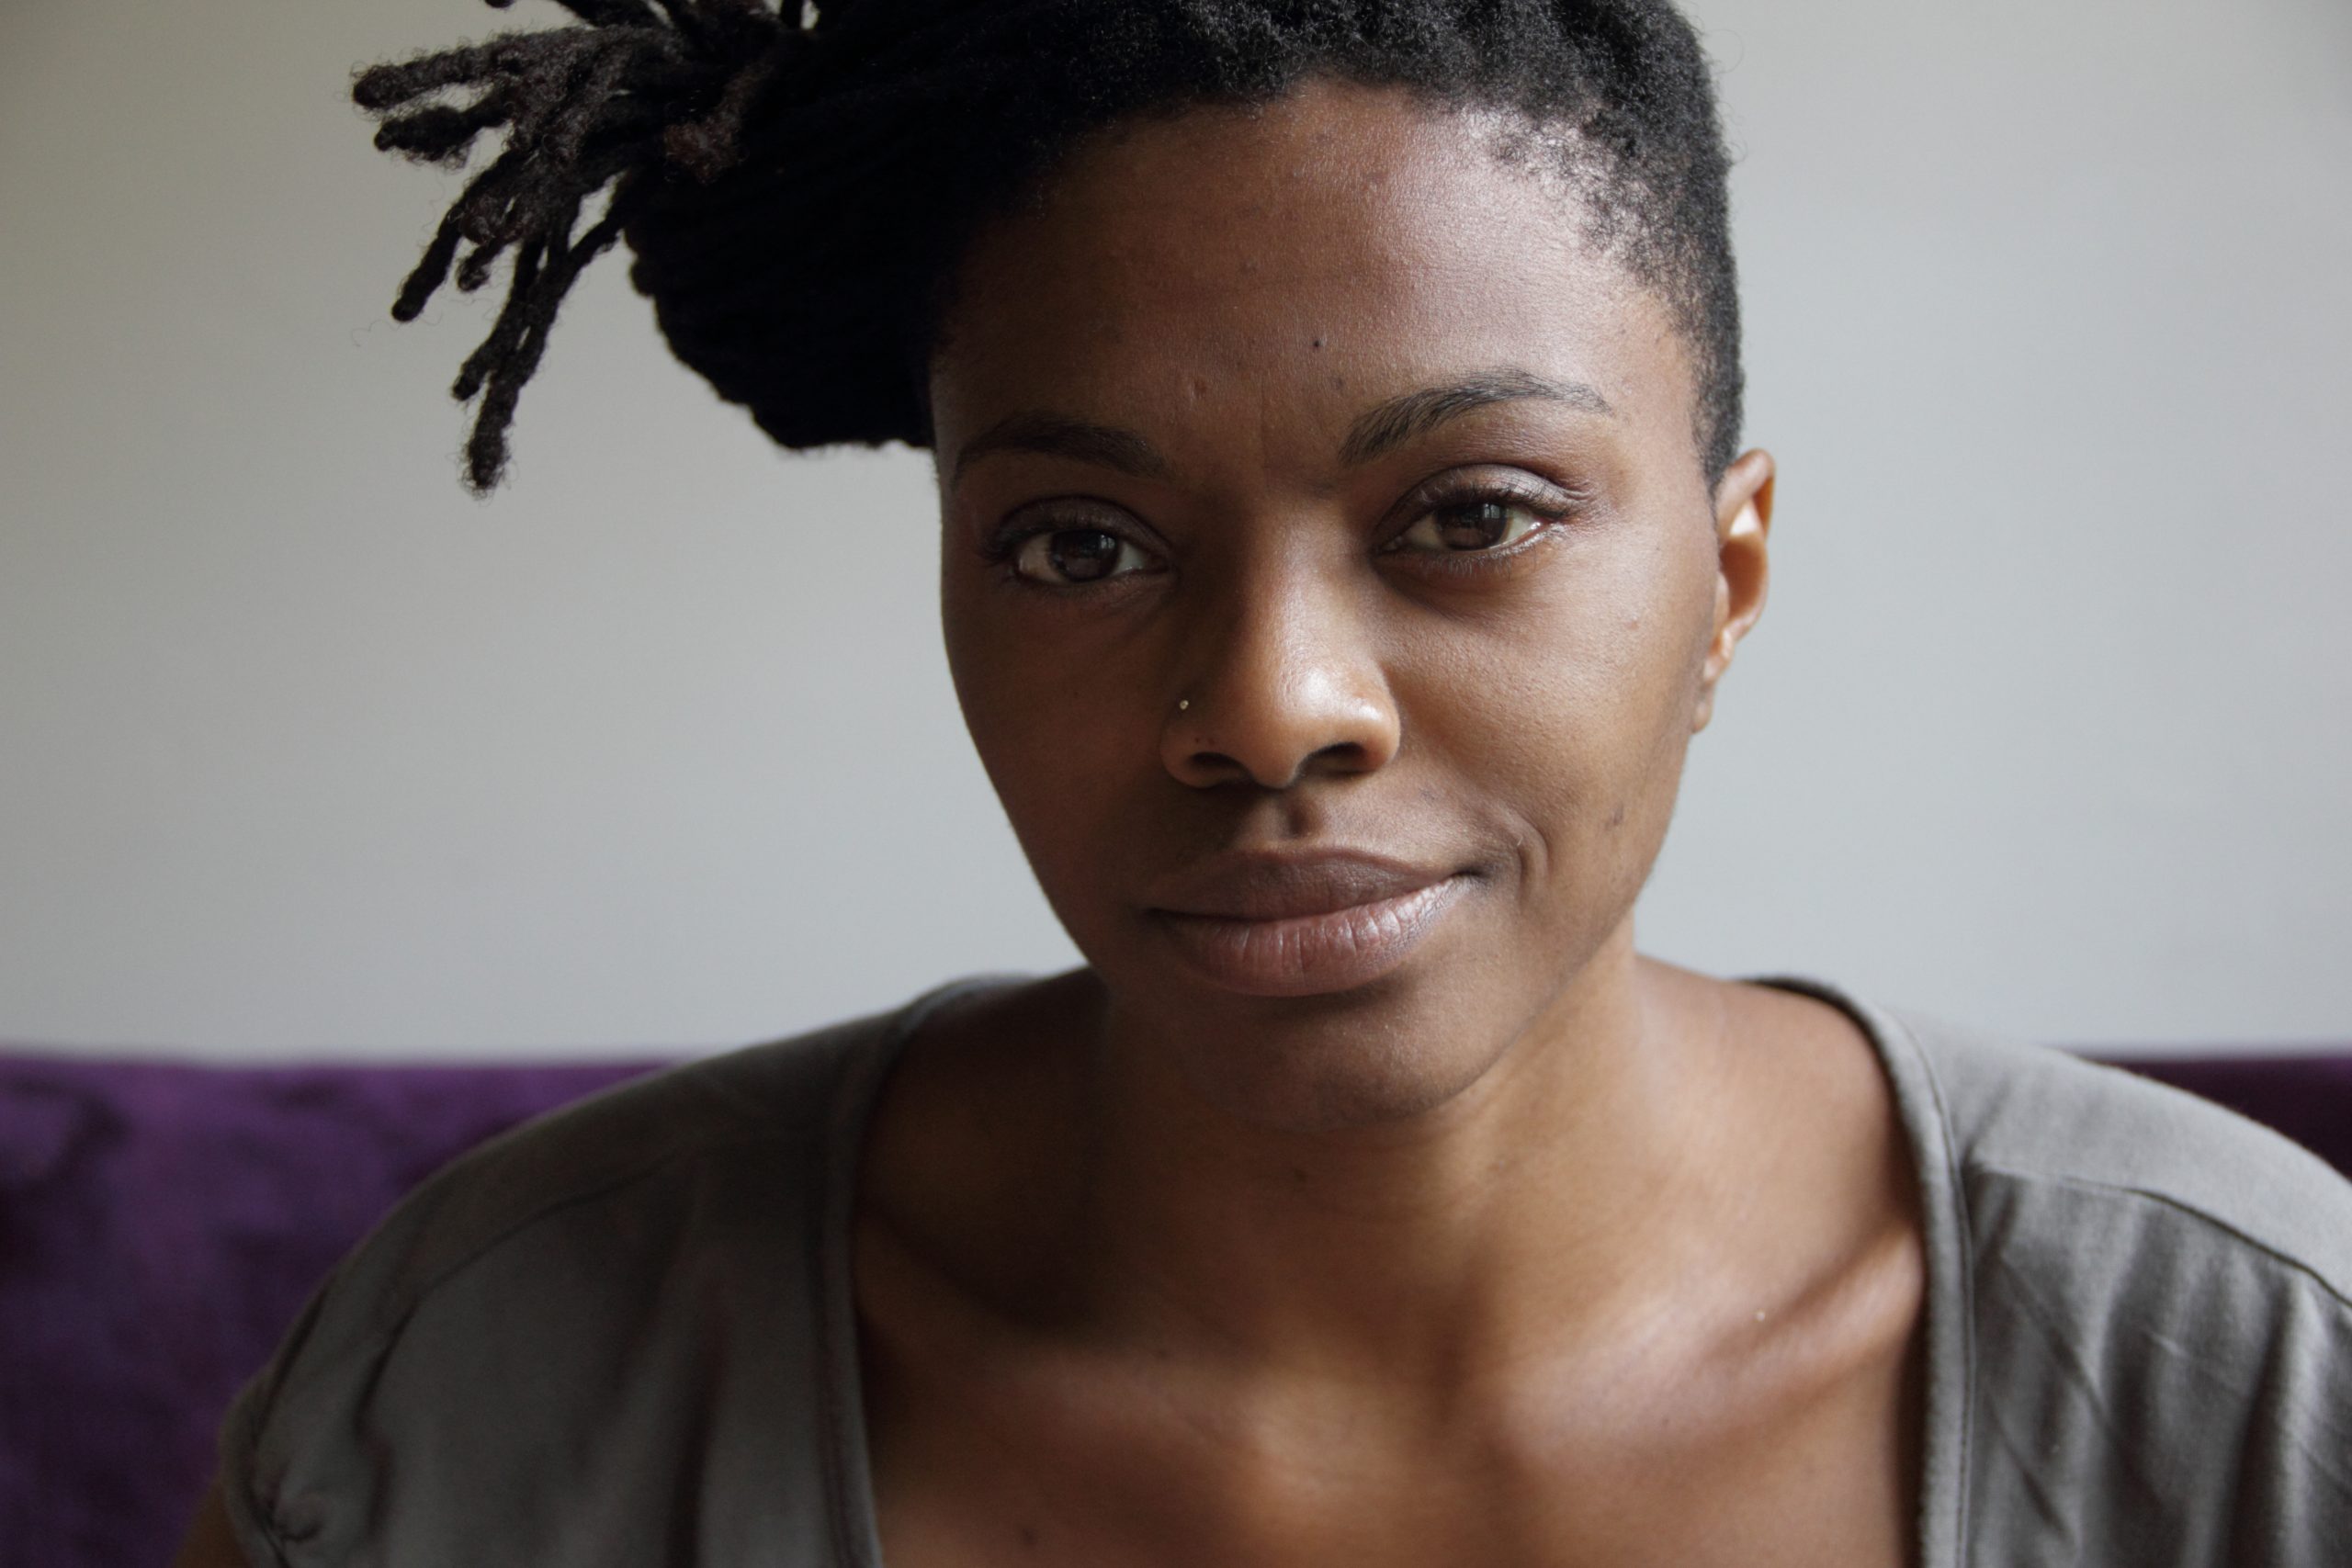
{"x":1209,"y":768}
{"x":1276,"y":728}
{"x":1340,"y":756}
{"x":1216,"y":767}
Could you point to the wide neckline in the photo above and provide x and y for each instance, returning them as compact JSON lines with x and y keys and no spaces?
{"x":1947,"y":1401}
{"x":1938,"y":1537}
{"x":842,"y":1447}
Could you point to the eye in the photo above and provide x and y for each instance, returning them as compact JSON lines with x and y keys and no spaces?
{"x":1474,"y":523}
{"x":1074,"y":557}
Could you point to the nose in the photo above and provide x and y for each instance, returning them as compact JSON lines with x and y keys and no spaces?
{"x":1287,"y":688}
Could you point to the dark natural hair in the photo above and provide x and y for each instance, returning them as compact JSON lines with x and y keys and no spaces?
{"x":798,"y":187}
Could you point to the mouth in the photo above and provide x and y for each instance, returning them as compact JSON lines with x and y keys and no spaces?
{"x":1301,"y":926}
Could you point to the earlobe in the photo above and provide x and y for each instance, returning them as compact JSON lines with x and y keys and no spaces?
{"x":1743,"y":523}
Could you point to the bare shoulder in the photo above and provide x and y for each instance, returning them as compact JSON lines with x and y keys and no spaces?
{"x":1798,"y":1048}
{"x":971,"y":1064}
{"x":1815,"y":1033}
{"x":981,"y":1113}
{"x":210,"y":1542}
{"x":1803,"y":1098}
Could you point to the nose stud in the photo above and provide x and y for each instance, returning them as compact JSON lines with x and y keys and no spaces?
{"x":1183,"y":704}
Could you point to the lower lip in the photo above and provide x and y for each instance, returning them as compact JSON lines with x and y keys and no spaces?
{"x":1309,"y":955}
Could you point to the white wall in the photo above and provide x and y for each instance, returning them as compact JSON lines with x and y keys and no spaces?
{"x":303,"y":751}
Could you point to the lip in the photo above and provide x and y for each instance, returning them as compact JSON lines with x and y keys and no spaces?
{"x":1300,"y":925}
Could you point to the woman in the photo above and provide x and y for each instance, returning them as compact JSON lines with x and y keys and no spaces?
{"x":1336,"y":411}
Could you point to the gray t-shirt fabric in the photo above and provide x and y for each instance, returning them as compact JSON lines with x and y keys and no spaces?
{"x":624,"y":1335}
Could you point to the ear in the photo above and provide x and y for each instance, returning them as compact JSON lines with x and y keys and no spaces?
{"x":1743,"y":519}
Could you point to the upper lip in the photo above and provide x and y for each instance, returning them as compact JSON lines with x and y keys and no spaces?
{"x":1264,"y":885}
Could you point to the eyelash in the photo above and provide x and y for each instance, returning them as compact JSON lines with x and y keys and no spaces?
{"x":1552,"y":505}
{"x":1000,"y":547}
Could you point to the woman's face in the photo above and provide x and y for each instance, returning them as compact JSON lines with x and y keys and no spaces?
{"x":1331,"y":586}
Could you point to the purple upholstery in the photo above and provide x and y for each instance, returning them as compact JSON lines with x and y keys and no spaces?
{"x":161,"y":1224}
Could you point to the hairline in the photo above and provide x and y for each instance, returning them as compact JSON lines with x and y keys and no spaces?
{"x":1548,"y":147}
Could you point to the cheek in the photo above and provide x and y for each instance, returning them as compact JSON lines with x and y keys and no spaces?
{"x":1059,"y":737}
{"x":1571,"y":715}
{"x":1547,"y":730}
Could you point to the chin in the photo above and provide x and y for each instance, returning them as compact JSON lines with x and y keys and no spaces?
{"x":1380,"y":1054}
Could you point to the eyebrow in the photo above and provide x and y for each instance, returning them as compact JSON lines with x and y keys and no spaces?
{"x":1416,"y":413}
{"x":1060,"y":435}
{"x":1378,"y":430}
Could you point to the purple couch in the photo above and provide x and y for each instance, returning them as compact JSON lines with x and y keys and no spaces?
{"x":161,"y":1224}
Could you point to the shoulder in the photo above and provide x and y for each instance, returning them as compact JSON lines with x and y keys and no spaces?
{"x":585,"y":1164}
{"x":2155,"y":1297}
{"x":2036,"y":1125}
{"x":557,"y":1310}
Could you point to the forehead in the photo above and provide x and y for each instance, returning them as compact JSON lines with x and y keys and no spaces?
{"x":1292,"y":262}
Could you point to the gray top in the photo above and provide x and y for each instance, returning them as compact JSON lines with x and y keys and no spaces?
{"x":623,"y":1334}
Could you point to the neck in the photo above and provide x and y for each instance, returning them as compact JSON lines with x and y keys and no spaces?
{"x":1552,"y":1201}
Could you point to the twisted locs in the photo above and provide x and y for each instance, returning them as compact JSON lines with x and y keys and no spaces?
{"x":635,"y":86}
{"x":798,"y":183}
